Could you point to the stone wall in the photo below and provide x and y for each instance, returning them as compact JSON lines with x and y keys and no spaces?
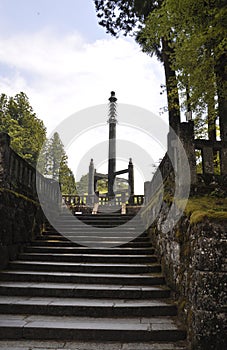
{"x":21,"y":220}
{"x":192,"y":255}
{"x":193,"y":261}
{"x":21,"y":215}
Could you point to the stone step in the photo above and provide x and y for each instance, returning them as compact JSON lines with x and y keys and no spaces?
{"x":80,"y":250}
{"x":114,"y":220}
{"x":71,"y":277}
{"x":31,"y":344}
{"x":86,"y":307}
{"x":72,"y":290}
{"x":101,"y":243}
{"x":84,"y":267}
{"x":96,"y":232}
{"x":110,"y":226}
{"x":77,"y":287}
{"x":100,"y":219}
{"x":92,"y":329}
{"x":122,"y":225}
{"x":86,"y":236}
{"x":68,"y":243}
{"x":95,"y":258}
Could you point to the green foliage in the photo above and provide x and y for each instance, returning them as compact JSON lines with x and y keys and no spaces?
{"x":82,"y":185}
{"x":27,"y":132}
{"x":102,"y":185}
{"x":197,"y":32}
{"x":129,"y":17}
{"x":53,"y":163}
{"x":66,"y":177}
{"x":190,"y":38}
{"x":123,"y":15}
{"x":28,"y":139}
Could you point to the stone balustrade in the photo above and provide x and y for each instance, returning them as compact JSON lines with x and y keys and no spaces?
{"x":213,"y":170}
{"x":22,"y":190}
{"x":210,"y":149}
{"x":119,"y":199}
{"x":16,"y":174}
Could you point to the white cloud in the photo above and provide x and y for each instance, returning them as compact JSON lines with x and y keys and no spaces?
{"x":62,"y":75}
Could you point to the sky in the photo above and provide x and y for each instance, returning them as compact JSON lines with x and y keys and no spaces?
{"x":55,"y":52}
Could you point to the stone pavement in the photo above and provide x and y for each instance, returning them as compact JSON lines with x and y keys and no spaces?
{"x":62,"y":345}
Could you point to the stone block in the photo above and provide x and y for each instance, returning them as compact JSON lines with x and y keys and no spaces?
{"x":209,"y":291}
{"x":209,"y":253}
{"x":209,"y":331}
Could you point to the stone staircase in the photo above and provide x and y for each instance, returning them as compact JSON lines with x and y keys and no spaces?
{"x":59,"y":289}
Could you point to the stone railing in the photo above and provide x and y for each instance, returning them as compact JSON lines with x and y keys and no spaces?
{"x":161,"y":174}
{"x":102,"y":200}
{"x":209,"y":150}
{"x":18,"y":175}
{"x":212,"y":170}
{"x":22,"y":189}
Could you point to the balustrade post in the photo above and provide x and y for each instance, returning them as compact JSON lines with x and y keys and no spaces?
{"x":4,"y":160}
{"x":131,"y":181}
{"x":91,"y":183}
{"x":187,"y":139}
{"x":208,"y":160}
{"x":223,"y":161}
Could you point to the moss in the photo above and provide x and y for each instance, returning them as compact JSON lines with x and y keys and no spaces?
{"x":181,"y":305}
{"x":186,"y":250}
{"x":178,"y":234}
{"x":200,"y":208}
{"x":19,"y":195}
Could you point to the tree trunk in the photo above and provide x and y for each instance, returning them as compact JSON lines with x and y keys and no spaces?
{"x":221,"y":75}
{"x":171,"y":86}
{"x":211,"y":121}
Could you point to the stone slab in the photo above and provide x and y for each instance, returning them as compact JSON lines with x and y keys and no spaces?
{"x":53,"y":345}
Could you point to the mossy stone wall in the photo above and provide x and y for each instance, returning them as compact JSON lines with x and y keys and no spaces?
{"x":194,"y":264}
{"x":21,"y":220}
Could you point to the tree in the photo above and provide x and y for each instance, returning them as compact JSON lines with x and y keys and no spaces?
{"x":53,"y":163}
{"x":189,"y":37}
{"x":27,"y":132}
{"x":28,"y":139}
{"x":102,"y":185}
{"x":82,"y":185}
{"x":129,"y":17}
{"x":197,"y":31}
{"x":66,"y":178}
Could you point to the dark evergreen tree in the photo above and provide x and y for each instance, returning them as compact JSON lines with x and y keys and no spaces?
{"x":129,"y":17}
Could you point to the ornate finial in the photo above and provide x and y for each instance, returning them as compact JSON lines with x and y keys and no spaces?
{"x":112,"y":108}
{"x":113,"y":97}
